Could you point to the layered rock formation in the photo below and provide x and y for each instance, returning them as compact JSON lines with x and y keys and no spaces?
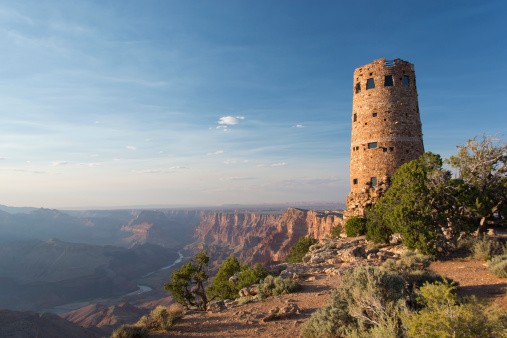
{"x":260,"y":238}
{"x":107,"y":318}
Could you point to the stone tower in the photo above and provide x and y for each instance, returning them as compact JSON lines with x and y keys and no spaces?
{"x":386,"y":129}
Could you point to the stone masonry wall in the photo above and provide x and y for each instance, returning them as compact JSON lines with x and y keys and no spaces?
{"x":386,"y":129}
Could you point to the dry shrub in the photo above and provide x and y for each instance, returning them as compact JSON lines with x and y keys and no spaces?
{"x":160,"y":318}
{"x":275,"y":286}
{"x":369,"y":303}
{"x":444,"y":315}
{"x":498,"y":266}
{"x":130,"y":331}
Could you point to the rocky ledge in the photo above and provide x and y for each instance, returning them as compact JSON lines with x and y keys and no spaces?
{"x":330,"y":256}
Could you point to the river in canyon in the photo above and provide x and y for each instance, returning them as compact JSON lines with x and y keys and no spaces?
{"x":141,"y":289}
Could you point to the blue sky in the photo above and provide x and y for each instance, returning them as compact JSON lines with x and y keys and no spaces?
{"x":116,"y":103}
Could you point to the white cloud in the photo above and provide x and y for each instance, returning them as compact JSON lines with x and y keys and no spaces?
{"x":218,"y":152}
{"x":131,"y":147}
{"x":3,"y":158}
{"x":230,"y":120}
{"x":222,"y":127}
{"x":282,"y":164}
{"x":59,"y":163}
{"x":298,"y":126}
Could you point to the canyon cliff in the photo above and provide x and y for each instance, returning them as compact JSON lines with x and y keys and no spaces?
{"x":257,"y":237}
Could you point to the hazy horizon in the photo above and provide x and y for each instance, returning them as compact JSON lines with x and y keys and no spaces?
{"x":212,"y":103}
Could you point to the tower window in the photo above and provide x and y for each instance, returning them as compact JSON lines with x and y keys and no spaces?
{"x":370,"y":83}
{"x":374,"y":114}
{"x":388,"y":82}
{"x":373,"y":181}
{"x":391,"y":148}
{"x":358,"y":87}
{"x":406,"y":81}
{"x":372,"y":145}
{"x":355,"y":117}
{"x":384,"y":150}
{"x":355,"y":181}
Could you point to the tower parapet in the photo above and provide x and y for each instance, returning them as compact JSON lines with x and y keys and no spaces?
{"x":386,"y":129}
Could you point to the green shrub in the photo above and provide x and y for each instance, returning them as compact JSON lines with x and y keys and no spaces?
{"x":444,"y":316}
{"x":369,"y":303}
{"x":159,"y":319}
{"x":299,"y":249}
{"x":355,"y":226}
{"x":498,"y":266}
{"x":275,"y":286}
{"x":222,"y":288}
{"x":337,"y":230}
{"x":130,"y":331}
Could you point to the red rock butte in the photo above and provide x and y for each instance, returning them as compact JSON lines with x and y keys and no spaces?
{"x":386,"y":129}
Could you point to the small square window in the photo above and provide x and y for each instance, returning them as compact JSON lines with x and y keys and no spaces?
{"x":370,"y":84}
{"x":374,"y":114}
{"x":406,"y":81}
{"x":358,"y":87}
{"x":355,"y":181}
{"x":388,"y":82}
{"x":391,"y":148}
{"x":384,"y":150}
{"x":373,"y":181}
{"x":372,"y":145}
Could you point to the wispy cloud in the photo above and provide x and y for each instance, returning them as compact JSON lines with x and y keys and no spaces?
{"x":3,"y":158}
{"x":91,"y":164}
{"x":234,"y":161}
{"x":218,"y":152}
{"x":159,"y":171}
{"x":298,"y":126}
{"x":59,"y":163}
{"x":24,"y":171}
{"x":237,"y":178}
{"x":8,"y":14}
{"x":131,"y":147}
{"x":282,"y":164}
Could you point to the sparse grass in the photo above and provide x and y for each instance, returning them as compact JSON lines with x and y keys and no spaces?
{"x":245,"y":300}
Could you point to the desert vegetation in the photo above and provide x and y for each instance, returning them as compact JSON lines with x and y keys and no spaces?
{"x":402,"y":299}
{"x":431,"y":209}
{"x":299,"y":249}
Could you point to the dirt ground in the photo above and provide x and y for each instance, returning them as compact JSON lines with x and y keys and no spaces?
{"x":246,"y":320}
